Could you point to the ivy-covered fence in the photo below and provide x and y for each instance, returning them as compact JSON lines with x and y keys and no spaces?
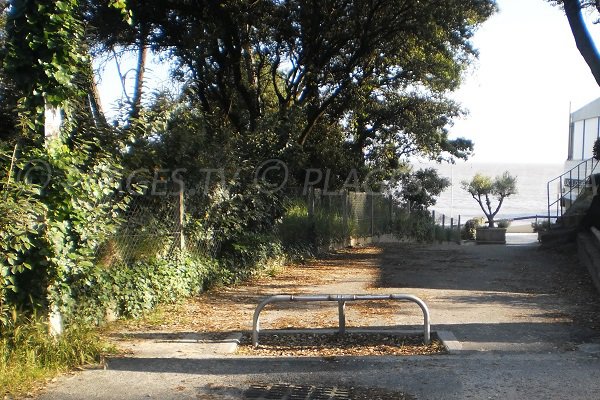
{"x":124,"y":253}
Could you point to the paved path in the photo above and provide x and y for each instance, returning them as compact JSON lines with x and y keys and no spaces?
{"x":526,"y":321}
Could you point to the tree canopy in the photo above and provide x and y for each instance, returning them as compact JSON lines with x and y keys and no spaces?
{"x":338,"y":85}
{"x":482,"y":188}
{"x":376,"y":72}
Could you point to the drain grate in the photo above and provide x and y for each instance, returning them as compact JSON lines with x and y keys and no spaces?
{"x":308,"y":392}
{"x":295,"y":392}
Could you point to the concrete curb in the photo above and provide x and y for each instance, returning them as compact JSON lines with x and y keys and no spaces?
{"x":229,"y":345}
{"x":449,"y":341}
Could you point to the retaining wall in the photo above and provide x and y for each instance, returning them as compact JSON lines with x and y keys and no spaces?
{"x":588,"y":248}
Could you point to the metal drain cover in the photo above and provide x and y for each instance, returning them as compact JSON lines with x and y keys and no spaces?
{"x":308,"y":392}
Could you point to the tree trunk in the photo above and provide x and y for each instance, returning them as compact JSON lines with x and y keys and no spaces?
{"x":584,"y":41}
{"x":94,"y":98}
{"x":52,"y":123}
{"x":139,"y":80}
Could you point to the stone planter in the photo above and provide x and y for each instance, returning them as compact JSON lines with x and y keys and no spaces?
{"x":490,"y":235}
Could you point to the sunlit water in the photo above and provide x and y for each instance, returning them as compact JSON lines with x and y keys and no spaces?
{"x":531,"y":185}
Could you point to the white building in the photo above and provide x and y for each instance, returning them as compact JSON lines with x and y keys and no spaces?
{"x":583,"y":132}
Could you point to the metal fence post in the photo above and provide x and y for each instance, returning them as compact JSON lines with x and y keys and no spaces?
{"x":311,"y":216}
{"x":372,"y":215}
{"x":390,"y":227}
{"x":181,"y":220}
{"x":345,"y":215}
{"x":433,"y":230}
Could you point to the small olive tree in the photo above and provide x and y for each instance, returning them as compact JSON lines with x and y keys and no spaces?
{"x":482,"y":188}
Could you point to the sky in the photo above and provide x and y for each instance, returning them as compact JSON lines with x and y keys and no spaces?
{"x":528,"y":74}
{"x":518,"y":93}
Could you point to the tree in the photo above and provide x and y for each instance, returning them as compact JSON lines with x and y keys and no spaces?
{"x":290,"y":78}
{"x":419,"y":189}
{"x":583,"y":39}
{"x":482,"y":188}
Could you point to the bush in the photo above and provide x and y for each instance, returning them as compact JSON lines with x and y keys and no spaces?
{"x":295,"y":227}
{"x":298,"y":229}
{"x":131,"y":289}
{"x":469,"y":230}
{"x":542,"y":226}
{"x":248,"y":255}
{"x":417,"y":225}
{"x":504,"y":223}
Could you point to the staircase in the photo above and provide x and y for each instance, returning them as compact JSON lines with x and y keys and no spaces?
{"x":569,"y":197}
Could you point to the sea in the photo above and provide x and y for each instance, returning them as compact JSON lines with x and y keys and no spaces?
{"x":531,"y":199}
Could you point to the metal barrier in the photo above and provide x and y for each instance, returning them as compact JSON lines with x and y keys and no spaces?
{"x":341,"y":300}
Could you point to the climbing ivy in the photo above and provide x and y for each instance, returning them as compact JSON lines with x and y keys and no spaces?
{"x":44,"y":56}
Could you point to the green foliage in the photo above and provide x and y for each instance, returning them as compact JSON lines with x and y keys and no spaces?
{"x":481,"y":188}
{"x":297,"y":229}
{"x":28,"y":355}
{"x":596,"y":150}
{"x":121,"y":5}
{"x":44,"y":56}
{"x":469,"y":229}
{"x":62,"y":208}
{"x":503,"y":223}
{"x":419,"y":189}
{"x":138,"y":288}
{"x":20,"y":230}
{"x":248,"y":255}
{"x":376,"y":92}
{"x":445,"y":234}
{"x":418,"y":225}
{"x":543,"y":226}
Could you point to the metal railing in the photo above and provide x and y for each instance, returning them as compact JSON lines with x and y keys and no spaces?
{"x":341,"y":300}
{"x":568,"y":186}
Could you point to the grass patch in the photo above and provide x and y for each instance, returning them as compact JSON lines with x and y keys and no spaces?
{"x":29,"y":356}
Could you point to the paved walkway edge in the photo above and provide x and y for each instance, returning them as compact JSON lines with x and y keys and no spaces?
{"x":450,"y":341}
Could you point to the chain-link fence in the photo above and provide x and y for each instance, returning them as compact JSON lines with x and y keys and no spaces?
{"x":362,"y":214}
{"x":153,"y":226}
{"x":446,"y":228}
{"x":320,"y":217}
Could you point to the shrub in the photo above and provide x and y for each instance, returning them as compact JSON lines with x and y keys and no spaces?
{"x":504,"y":223}
{"x":470,"y":228}
{"x":542,"y":226}
{"x":596,"y":149}
{"x":417,"y":225}
{"x":297,"y":229}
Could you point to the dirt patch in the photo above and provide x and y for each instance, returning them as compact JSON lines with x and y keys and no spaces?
{"x":332,"y":345}
{"x":228,"y":309}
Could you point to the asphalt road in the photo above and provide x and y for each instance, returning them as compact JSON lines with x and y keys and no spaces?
{"x":525,"y":321}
